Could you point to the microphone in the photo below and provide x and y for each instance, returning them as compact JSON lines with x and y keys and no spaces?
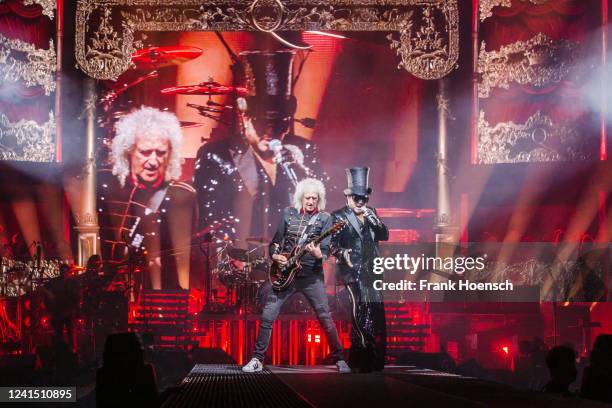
{"x":368,"y":213}
{"x":276,"y":147}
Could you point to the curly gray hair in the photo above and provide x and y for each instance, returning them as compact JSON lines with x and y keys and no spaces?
{"x":309,"y":184}
{"x":146,"y":121}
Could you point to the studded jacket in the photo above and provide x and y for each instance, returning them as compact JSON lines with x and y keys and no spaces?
{"x":359,"y":241}
{"x":291,"y":229}
{"x":158,"y":220}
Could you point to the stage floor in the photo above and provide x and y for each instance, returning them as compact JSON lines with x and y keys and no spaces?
{"x":322,"y":387}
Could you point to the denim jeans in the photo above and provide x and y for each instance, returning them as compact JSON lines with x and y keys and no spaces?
{"x":314,"y":291}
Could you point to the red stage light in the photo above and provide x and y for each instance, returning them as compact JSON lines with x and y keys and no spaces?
{"x":506,"y":349}
{"x":44,"y":321}
{"x":313,"y":337}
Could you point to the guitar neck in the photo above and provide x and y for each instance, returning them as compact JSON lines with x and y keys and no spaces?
{"x":315,"y":241}
{"x":322,"y":237}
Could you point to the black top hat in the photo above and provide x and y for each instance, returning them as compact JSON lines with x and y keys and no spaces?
{"x":357,"y":179}
{"x":268,"y":79}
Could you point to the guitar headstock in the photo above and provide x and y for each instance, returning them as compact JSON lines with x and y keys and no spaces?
{"x":337,"y":226}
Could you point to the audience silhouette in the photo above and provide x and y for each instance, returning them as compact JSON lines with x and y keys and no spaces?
{"x":561,"y":363}
{"x":597,"y":376}
{"x":124,"y":378}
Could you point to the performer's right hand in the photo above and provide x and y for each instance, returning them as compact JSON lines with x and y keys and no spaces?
{"x":279,"y":259}
{"x":346,"y":257}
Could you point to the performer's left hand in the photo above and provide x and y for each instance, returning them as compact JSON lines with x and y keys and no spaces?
{"x":314,"y":250}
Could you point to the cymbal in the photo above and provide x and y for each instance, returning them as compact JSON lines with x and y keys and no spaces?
{"x":239,"y":254}
{"x":205,"y":88}
{"x":108,"y":99}
{"x":159,"y":57}
{"x":187,"y":125}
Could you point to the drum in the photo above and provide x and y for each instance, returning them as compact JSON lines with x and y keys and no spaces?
{"x":237,"y":266}
{"x":259,"y":270}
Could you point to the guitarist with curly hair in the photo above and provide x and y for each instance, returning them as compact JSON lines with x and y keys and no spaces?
{"x":297,"y":250}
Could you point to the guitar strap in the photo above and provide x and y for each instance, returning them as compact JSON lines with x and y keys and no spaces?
{"x":156,"y":200}
{"x":304,"y":236}
{"x":152,"y":206}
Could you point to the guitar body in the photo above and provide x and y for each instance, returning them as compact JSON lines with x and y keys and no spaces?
{"x":282,"y":276}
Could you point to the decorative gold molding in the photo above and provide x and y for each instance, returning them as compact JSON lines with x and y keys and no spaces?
{"x":424,"y":33}
{"x":538,"y":61}
{"x":485,"y":6}
{"x":85,"y":219}
{"x":537,"y":140}
{"x":48,"y":6}
{"x":38,"y":68}
{"x":26,"y":140}
{"x":426,"y":52}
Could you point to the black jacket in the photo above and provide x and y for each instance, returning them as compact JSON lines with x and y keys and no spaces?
{"x":351,"y":237}
{"x":286,"y":239}
{"x":166,"y":233}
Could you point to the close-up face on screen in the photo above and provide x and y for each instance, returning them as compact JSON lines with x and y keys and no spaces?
{"x":303,"y":203}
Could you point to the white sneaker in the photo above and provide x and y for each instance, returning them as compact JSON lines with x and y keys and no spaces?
{"x":343,"y":368}
{"x":253,"y":366}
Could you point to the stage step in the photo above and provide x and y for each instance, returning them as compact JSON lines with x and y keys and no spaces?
{"x":220,"y":385}
{"x":406,"y":331}
{"x":165,"y":315}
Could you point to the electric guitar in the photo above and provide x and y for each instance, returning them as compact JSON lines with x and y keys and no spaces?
{"x":282,"y":276}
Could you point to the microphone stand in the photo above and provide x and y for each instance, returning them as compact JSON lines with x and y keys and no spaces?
{"x":286,"y":169}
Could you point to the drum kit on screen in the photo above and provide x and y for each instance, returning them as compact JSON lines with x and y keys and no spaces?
{"x":145,"y":66}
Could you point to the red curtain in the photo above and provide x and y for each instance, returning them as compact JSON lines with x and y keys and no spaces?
{"x":572,"y":20}
{"x":28,"y":24}
{"x":18,"y":8}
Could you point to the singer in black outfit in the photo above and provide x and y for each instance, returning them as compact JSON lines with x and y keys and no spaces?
{"x":355,"y":248}
{"x":243,"y":181}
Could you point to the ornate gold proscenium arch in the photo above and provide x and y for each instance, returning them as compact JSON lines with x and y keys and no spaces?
{"x":423,"y":33}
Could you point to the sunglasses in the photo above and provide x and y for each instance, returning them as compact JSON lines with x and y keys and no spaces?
{"x":358,"y":198}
